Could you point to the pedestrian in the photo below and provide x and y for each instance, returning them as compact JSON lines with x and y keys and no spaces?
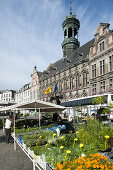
{"x":8,"y":130}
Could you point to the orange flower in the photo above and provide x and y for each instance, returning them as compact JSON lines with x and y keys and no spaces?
{"x":88,"y":166}
{"x":102,"y":166}
{"x":93,"y":161}
{"x":60,"y":166}
{"x":94,"y":166}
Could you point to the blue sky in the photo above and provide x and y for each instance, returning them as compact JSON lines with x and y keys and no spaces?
{"x":31,"y":34}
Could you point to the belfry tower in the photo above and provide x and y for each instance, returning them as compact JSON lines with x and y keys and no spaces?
{"x":70,"y":43}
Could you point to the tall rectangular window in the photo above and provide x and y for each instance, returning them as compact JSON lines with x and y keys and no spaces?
{"x":65,"y":84}
{"x":102,"y":46}
{"x":110,"y":83}
{"x":70,"y":83}
{"x":94,"y":71}
{"x":84,"y":79}
{"x":102,"y":67}
{"x":111,"y":63}
{"x":77,"y":81}
{"x":94,"y":89}
{"x":60,"y":86}
{"x":102,"y":86}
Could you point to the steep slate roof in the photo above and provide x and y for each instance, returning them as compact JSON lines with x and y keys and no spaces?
{"x":62,"y":64}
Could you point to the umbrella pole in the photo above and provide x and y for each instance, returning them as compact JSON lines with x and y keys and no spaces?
{"x":39,"y":118}
{"x":14,"y":132}
{"x":3,"y":124}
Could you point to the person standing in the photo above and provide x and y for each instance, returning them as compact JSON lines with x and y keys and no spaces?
{"x":8,"y":130}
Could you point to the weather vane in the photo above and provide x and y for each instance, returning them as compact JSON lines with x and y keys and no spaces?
{"x":70,"y":8}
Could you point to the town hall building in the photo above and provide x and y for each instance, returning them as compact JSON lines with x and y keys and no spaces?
{"x":82,"y":71}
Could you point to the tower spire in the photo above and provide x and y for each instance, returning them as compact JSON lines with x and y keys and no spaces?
{"x":70,"y":8}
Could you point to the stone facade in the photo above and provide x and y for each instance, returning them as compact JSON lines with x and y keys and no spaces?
{"x":101,"y":61}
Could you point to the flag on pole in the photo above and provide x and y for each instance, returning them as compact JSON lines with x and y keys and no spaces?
{"x":48,"y":90}
{"x":56,"y":88}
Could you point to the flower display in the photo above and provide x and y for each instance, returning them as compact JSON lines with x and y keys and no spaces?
{"x":92,"y":161}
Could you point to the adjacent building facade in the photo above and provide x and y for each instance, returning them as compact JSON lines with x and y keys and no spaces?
{"x":7,"y":97}
{"x":23,"y":95}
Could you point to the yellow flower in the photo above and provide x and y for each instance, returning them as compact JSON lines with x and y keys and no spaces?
{"x":77,"y":132}
{"x":40,"y":136}
{"x":54,"y":135}
{"x":61,"y":147}
{"x":107,"y":136}
{"x":68,"y":151}
{"x":81,"y":145}
{"x":62,"y":137}
{"x":75,"y":139}
{"x":49,"y":141}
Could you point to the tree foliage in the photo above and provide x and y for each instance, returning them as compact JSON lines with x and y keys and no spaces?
{"x":98,"y":100}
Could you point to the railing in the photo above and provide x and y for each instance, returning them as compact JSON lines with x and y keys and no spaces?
{"x":37,"y":160}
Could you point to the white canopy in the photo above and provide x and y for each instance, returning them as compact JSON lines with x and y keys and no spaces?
{"x":38,"y":105}
{"x":35,"y":104}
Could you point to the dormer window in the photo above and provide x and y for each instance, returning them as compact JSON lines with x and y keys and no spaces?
{"x":102,"y":46}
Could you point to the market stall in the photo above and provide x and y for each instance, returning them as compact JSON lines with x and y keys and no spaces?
{"x":37,"y":105}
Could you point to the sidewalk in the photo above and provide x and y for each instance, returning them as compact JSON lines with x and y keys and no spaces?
{"x":10,"y":159}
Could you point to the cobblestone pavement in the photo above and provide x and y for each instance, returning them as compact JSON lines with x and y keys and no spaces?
{"x":13,"y":160}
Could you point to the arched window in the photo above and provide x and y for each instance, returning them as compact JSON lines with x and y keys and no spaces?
{"x":69,"y":32}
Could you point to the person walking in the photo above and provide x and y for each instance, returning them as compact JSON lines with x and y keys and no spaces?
{"x":8,"y":130}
